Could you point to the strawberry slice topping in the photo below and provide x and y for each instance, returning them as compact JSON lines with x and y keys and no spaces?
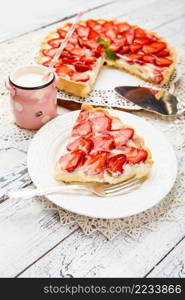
{"x":148,"y":58}
{"x":77,"y":52}
{"x":157,"y":78}
{"x":80,"y":67}
{"x":118,"y":43}
{"x":163,"y":53}
{"x":93,"y":35}
{"x":129,"y":34}
{"x":163,"y":61}
{"x":123,"y":26}
{"x":82,"y":129}
{"x":110,"y":33}
{"x":103,"y":143}
{"x":99,"y":51}
{"x":107,"y":25}
{"x":47,"y":62}
{"x":124,"y":50}
{"x":134,"y":57}
{"x":90,"y":44}
{"x":139,"y":33}
{"x":93,"y":24}
{"x":50,"y":52}
{"x":88,"y":60}
{"x":115,"y":164}
{"x":154,"y":47}
{"x":70,"y":161}
{"x":80,"y":77}
{"x":135,"y":48}
{"x":82,"y":31}
{"x":142,"y":40}
{"x":134,"y":155}
{"x":121,"y":136}
{"x":55,"y":43}
{"x":101,"y":124}
{"x":83,"y":116}
{"x":96,"y":163}
{"x":66,"y":70}
{"x":82,"y":144}
{"x":62,"y":32}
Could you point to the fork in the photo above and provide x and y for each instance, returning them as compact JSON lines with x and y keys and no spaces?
{"x":102,"y":190}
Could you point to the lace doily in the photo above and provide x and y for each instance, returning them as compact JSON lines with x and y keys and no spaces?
{"x":19,"y":52}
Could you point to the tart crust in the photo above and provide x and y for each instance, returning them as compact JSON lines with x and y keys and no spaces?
{"x":139,"y":170}
{"x":82,"y":89}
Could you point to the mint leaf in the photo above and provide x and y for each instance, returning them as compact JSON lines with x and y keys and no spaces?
{"x":110,"y":54}
{"x":103,"y":42}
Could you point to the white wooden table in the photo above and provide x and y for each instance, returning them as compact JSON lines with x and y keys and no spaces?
{"x":33,"y":243}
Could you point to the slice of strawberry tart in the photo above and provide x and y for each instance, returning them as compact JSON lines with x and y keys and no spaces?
{"x":102,"y":149}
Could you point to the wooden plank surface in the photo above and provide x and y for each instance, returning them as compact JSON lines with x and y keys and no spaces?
{"x":33,"y":243}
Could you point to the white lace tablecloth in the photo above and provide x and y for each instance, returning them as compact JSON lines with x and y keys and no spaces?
{"x":19,"y":52}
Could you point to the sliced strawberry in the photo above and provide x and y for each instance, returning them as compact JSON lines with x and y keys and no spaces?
{"x":93,"y":35}
{"x":139,"y":33}
{"x":47,"y":62}
{"x":152,"y":37}
{"x":69,"y":47}
{"x":163,"y":53}
{"x":82,"y":144}
{"x":50,"y":52}
{"x":123,"y":26}
{"x":70,"y":161}
{"x":115,"y":164}
{"x":111,"y":34}
{"x":93,"y":24}
{"x":134,"y":48}
{"x":124,"y":50}
{"x":148,"y":58}
{"x":103,"y":143}
{"x":71,"y":60}
{"x":118,"y":44}
{"x":83,"y":116}
{"x":74,"y":39}
{"x":134,"y":155}
{"x":80,"y":77}
{"x":66,"y":70}
{"x":163,"y":61}
{"x":62,"y":32}
{"x":154,"y":47}
{"x":134,"y":57}
{"x":90,"y":44}
{"x":77,"y":52}
{"x":129,"y":34}
{"x":58,"y":63}
{"x":142,"y":40}
{"x":96,"y":163}
{"x":88,"y":60}
{"x":82,"y":31}
{"x":55,"y":43}
{"x":80,"y":67}
{"x":157,"y":78}
{"x":99,"y":51}
{"x":82,"y":129}
{"x":107,"y":25}
{"x":101,"y":124}
{"x":121,"y":136}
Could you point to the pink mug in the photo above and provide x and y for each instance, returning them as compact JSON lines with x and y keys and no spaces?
{"x":33,"y":96}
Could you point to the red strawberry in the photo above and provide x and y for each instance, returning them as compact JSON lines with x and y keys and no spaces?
{"x":101,"y":124}
{"x":135,"y":48}
{"x":142,"y":40}
{"x":77,"y":51}
{"x":163,"y":61}
{"x":115,"y":164}
{"x":118,"y":43}
{"x":129,"y":34}
{"x":63,"y":69}
{"x":163,"y":53}
{"x":88,"y":60}
{"x":47,"y":62}
{"x":80,"y":67}
{"x":70,"y":161}
{"x":96,"y":163}
{"x":71,"y":60}
{"x":139,"y":33}
{"x":148,"y":58}
{"x":83,"y":116}
{"x":152,"y":37}
{"x":94,"y":24}
{"x":157,"y":78}
{"x":55,"y":43}
{"x":99,"y":51}
{"x":111,"y":34}
{"x":103,"y":143}
{"x":154,"y":47}
{"x":69,"y":47}
{"x":121,"y":136}
{"x":82,"y":31}
{"x":50,"y":52}
{"x":107,"y":25}
{"x":93,"y":35}
{"x":123,"y":26}
{"x":90,"y":44}
{"x":134,"y":57}
{"x":82,"y":144}
{"x":124,"y":50}
{"x":80,"y":77}
{"x":82,"y":129}
{"x":62,"y":32}
{"x":134,"y":155}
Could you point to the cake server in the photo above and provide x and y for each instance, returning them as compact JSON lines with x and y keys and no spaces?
{"x":157,"y":101}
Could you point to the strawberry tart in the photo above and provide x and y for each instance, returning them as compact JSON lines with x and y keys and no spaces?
{"x":102,"y":149}
{"x":95,"y":43}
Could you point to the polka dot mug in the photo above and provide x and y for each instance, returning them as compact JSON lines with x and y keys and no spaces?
{"x":33,"y":96}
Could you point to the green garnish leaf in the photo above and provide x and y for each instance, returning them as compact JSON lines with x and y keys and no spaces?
{"x":110,"y":54}
{"x":103,"y":42}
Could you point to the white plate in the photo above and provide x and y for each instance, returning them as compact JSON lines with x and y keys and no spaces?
{"x":49,"y":143}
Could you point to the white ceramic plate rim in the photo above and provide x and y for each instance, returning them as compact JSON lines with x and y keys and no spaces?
{"x":46,"y":146}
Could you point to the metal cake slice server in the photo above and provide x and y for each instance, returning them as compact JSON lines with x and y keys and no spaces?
{"x":163,"y":103}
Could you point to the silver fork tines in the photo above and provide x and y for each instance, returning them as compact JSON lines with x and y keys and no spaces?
{"x":123,"y":187}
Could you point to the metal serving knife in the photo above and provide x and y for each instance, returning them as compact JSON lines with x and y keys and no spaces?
{"x":157,"y":101}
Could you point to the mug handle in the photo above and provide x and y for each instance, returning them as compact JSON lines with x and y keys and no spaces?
{"x":10,"y":88}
